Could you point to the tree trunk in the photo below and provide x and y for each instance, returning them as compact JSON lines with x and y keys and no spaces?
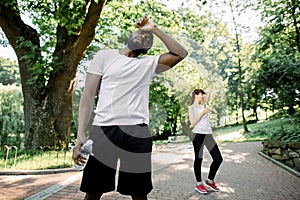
{"x":237,"y":111}
{"x":255,"y":113}
{"x":241,"y":96}
{"x":291,"y":110}
{"x":52,"y":118}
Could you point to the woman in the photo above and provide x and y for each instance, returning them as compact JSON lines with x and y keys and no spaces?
{"x":202,"y":135}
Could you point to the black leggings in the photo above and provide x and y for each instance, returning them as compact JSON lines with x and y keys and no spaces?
{"x":198,"y":142}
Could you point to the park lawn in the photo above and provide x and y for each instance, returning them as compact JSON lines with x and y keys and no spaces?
{"x":258,"y":131}
{"x":39,"y":161}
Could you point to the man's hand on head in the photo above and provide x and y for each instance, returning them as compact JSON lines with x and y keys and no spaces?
{"x":145,"y":24}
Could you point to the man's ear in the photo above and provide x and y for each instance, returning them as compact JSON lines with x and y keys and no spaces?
{"x":145,"y":51}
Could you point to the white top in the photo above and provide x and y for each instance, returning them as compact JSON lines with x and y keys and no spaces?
{"x":124,"y":90}
{"x":203,"y":126}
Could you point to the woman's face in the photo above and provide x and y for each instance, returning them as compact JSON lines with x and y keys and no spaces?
{"x":200,"y":97}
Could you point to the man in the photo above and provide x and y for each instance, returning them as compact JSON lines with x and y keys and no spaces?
{"x":120,"y":128}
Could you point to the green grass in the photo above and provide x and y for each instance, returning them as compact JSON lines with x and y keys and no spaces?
{"x":38,"y":161}
{"x":287,"y":128}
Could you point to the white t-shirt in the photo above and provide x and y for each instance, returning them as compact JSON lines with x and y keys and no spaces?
{"x":203,"y":126}
{"x":124,"y":90}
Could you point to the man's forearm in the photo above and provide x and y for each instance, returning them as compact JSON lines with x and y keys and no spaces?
{"x":172,"y":45}
{"x":84,"y":115}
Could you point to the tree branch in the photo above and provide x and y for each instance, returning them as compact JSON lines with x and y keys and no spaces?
{"x":88,"y":28}
{"x":14,"y":27}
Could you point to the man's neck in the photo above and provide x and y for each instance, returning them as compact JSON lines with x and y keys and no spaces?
{"x":127,"y":52}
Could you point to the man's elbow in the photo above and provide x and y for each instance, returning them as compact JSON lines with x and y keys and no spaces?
{"x":181,"y":55}
{"x":185,"y":53}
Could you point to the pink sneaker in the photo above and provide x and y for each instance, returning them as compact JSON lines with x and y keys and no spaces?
{"x":201,"y":189}
{"x":211,"y":186}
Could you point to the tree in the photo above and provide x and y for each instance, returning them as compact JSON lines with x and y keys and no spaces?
{"x":279,"y":53}
{"x":251,"y":84}
{"x":48,"y":54}
{"x":240,"y":74}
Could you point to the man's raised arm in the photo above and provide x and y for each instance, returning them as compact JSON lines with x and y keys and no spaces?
{"x":176,"y":51}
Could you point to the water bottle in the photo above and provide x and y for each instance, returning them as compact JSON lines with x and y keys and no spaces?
{"x":85,"y":151}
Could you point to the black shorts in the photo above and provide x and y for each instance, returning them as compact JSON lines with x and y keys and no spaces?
{"x":132,"y":146}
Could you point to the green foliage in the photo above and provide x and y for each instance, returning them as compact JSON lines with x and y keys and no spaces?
{"x":164,"y":111}
{"x":194,"y":23}
{"x":47,"y":15}
{"x":38,"y":67}
{"x":284,"y":130}
{"x":278,"y":74}
{"x":288,"y":131}
{"x":118,"y":18}
{"x":9,"y":72}
{"x":278,"y":52}
{"x":11,"y":116}
{"x":285,"y":135}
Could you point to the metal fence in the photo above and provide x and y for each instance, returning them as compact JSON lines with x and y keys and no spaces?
{"x":14,"y":158}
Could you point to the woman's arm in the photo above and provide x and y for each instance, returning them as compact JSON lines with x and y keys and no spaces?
{"x":195,"y":119}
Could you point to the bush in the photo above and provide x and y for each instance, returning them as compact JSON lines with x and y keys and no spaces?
{"x":286,"y":135}
{"x":289,"y":130}
{"x":12,"y":124}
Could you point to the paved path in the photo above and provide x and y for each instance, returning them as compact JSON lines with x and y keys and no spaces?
{"x":244,"y":175}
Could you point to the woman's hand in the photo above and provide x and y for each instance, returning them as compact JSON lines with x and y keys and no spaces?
{"x":206,"y":110}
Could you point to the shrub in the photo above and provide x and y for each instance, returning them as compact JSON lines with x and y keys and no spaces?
{"x":289,"y":131}
{"x":12,"y":125}
{"x":285,"y":135}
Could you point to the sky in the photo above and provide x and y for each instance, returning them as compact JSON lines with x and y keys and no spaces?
{"x":8,"y":52}
{"x":248,"y":18}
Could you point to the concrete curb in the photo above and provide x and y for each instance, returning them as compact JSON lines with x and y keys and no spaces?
{"x":54,"y":188}
{"x":292,"y":171}
{"x":36,"y":172}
